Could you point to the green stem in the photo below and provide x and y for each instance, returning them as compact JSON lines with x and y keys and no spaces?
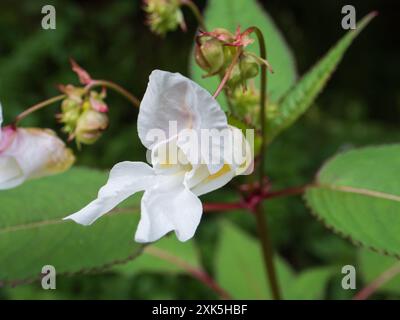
{"x":196,"y":12}
{"x":262,"y":223}
{"x":117,"y":88}
{"x":38,"y":106}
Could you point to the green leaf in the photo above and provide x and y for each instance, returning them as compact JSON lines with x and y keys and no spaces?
{"x":153,"y":258}
{"x":302,"y":95}
{"x":229,"y":14}
{"x":357,"y":194}
{"x":33,"y":234}
{"x":373,"y":265}
{"x":240,"y":270}
{"x":309,"y":285}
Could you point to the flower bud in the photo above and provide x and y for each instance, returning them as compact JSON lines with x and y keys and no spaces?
{"x":29,"y":153}
{"x":164,"y":15}
{"x":249,"y":66}
{"x":210,"y":55}
{"x":246,"y":104}
{"x":90,"y":126}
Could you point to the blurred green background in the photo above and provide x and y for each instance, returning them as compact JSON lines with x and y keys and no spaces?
{"x":360,"y":106}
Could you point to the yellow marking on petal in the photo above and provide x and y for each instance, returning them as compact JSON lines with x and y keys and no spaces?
{"x":225,"y":169}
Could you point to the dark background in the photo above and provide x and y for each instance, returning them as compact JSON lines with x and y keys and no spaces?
{"x":360,"y":106}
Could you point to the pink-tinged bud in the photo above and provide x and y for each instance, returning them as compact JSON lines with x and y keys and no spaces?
{"x":90,"y":126}
{"x":220,"y":34}
{"x":29,"y":153}
{"x":97,"y":101}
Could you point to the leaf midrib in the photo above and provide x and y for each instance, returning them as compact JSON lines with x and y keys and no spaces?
{"x":44,"y":223}
{"x":360,"y":191}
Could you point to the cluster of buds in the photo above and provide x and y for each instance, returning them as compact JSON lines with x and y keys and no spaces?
{"x":83,"y":111}
{"x":216,"y":50}
{"x":164,"y":15}
{"x":83,"y":114}
{"x":246,"y":103}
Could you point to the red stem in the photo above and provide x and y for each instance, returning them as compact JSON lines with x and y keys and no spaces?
{"x":217,"y":206}
{"x":285,"y":192}
{"x":253,"y":200}
{"x":370,"y":289}
{"x":197,"y":273}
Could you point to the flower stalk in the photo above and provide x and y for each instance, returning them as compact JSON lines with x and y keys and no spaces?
{"x":37,"y":107}
{"x":262,"y":224}
{"x":196,"y":12}
{"x":115,"y":87}
{"x":94,"y":83}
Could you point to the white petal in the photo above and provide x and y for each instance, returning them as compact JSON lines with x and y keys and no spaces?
{"x":173,"y":97}
{"x":11,"y":174}
{"x":1,"y":118}
{"x":211,"y":182}
{"x":164,"y":210}
{"x":126,"y":178}
{"x":242,"y":156}
{"x":39,"y":152}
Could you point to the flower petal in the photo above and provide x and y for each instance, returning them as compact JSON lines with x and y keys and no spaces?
{"x":126,"y":178}
{"x":166,"y":209}
{"x":1,"y":118}
{"x":11,"y":174}
{"x":242,"y":155}
{"x":238,"y":161}
{"x":38,"y":152}
{"x":211,"y":182}
{"x":173,"y":97}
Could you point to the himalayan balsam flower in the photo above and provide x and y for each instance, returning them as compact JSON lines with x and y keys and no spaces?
{"x":27,"y":153}
{"x":171,"y":188}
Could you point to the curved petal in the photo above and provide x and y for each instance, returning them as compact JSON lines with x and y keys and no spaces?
{"x":241,"y":155}
{"x":39,"y":152}
{"x":126,"y":178}
{"x":167,"y":209}
{"x":237,"y":158}
{"x":211,"y":182}
{"x":172,"y":97}
{"x":1,"y":118}
{"x":11,"y":174}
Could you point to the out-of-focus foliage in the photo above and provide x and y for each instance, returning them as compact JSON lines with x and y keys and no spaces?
{"x":298,"y":99}
{"x":239,"y":269}
{"x":372,"y":265}
{"x":30,"y":220}
{"x":361,"y":106}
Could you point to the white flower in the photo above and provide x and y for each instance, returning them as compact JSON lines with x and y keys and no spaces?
{"x":171,"y":189}
{"x":27,"y":153}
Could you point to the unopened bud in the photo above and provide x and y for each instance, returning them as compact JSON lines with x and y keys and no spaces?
{"x":90,"y":126}
{"x":164,"y":15}
{"x":249,"y":66}
{"x":210,"y":55}
{"x":246,"y":103}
